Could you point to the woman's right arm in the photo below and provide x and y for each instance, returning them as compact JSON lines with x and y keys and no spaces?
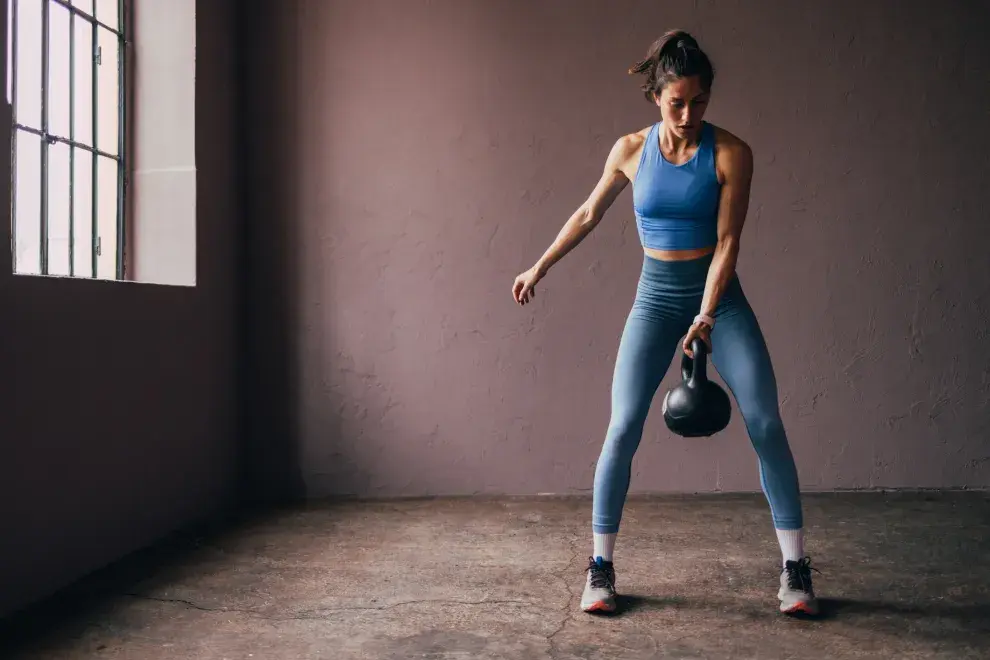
{"x":612,"y":182}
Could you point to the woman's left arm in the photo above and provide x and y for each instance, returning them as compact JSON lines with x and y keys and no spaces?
{"x":734,"y":160}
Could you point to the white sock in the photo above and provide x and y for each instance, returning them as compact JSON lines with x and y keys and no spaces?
{"x":791,"y":544}
{"x":604,"y":546}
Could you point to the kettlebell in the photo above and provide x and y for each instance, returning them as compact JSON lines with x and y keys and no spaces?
{"x":696,"y":407}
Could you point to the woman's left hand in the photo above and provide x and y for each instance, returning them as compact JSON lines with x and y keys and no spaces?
{"x":700,"y":331}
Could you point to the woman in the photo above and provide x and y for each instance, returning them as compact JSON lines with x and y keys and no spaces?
{"x":691,"y":187}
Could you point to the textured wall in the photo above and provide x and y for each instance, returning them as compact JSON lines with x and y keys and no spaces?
{"x":118,"y":399}
{"x":408,"y":159}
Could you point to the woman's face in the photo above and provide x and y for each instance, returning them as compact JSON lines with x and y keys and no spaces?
{"x":682,"y":105}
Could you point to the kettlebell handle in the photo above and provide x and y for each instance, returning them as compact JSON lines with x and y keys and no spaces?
{"x":693,"y":370}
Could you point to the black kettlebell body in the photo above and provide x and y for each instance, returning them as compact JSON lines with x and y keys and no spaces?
{"x":696,"y":407}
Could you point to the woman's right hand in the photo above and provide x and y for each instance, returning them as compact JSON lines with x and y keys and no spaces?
{"x":524,"y":288}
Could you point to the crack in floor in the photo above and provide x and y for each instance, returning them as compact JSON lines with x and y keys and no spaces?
{"x":322,"y":613}
{"x":568,"y":608}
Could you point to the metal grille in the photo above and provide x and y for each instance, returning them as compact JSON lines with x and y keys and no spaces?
{"x":102,"y":24}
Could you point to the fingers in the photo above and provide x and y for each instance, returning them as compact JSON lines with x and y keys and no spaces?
{"x":689,"y":340}
{"x":706,"y":337}
{"x":523,"y":291}
{"x":701,"y":332}
{"x":704,"y":340}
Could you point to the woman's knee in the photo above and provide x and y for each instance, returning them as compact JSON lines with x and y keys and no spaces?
{"x":766,"y":429}
{"x":625,"y":430}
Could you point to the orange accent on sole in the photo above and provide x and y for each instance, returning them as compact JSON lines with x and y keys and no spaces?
{"x":600,"y":606}
{"x":799,"y":607}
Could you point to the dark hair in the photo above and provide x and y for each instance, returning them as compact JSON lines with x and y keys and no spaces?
{"x":674,"y":55}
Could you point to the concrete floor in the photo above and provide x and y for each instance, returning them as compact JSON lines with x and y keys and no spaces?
{"x":904,"y":576}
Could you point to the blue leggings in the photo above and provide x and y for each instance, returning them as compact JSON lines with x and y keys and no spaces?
{"x":667,"y":298}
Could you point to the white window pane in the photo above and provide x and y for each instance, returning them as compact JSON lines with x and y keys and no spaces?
{"x":82,"y":213}
{"x":58,"y":209}
{"x":28,"y":74}
{"x":106,"y":196}
{"x":82,"y":115}
{"x":107,"y":101}
{"x":106,"y":12}
{"x":10,"y":53}
{"x":27,"y":200}
{"x":58,"y":70}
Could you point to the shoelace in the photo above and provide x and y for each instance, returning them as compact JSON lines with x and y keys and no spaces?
{"x":600,"y":576}
{"x":799,"y":574}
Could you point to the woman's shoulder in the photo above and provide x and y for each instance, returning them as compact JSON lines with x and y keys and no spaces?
{"x":732,"y":154}
{"x":631,"y":143}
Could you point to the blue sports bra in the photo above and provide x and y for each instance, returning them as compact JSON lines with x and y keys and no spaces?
{"x":677,"y":205}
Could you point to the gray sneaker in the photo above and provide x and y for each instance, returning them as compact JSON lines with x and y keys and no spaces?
{"x":599,"y":590}
{"x":796,"y":593}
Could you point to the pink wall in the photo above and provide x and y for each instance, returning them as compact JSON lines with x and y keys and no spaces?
{"x":408,"y":159}
{"x":119,"y":399}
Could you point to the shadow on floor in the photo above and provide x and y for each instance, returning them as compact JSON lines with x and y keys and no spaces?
{"x":68,"y":613}
{"x":626,"y":603}
{"x":973,"y":618}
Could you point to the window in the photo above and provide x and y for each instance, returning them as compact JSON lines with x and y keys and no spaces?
{"x":65,"y":84}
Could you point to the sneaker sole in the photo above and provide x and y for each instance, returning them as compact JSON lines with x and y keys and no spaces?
{"x":799,"y":608}
{"x":599,"y":606}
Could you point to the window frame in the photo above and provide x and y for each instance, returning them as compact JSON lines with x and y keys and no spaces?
{"x":47,"y":139}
